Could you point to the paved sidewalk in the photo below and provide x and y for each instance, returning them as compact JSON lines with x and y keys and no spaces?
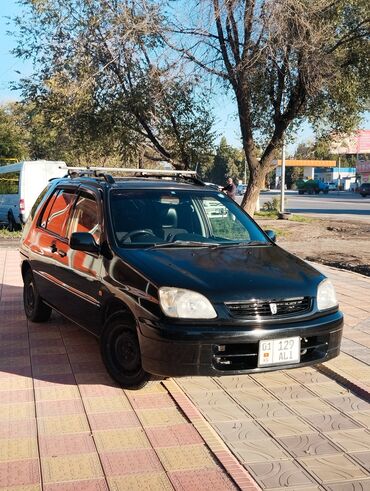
{"x":64,"y":425}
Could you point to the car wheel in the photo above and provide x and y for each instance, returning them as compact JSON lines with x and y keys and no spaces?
{"x":12,"y":226}
{"x":121,"y":354}
{"x":35,"y":308}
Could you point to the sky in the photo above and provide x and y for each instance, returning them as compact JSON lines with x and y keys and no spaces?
{"x":224,"y":108}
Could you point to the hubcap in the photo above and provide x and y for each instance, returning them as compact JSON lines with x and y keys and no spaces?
{"x":126,"y":352}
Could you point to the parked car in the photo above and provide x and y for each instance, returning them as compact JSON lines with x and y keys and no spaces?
{"x":21,"y":184}
{"x":312,"y":186}
{"x":241,"y":189}
{"x":168,"y":288}
{"x":364,"y":189}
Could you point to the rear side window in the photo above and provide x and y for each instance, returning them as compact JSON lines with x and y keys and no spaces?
{"x":55,"y":215}
{"x":9,"y":183}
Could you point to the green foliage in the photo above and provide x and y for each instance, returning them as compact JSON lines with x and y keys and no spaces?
{"x":103,"y":90}
{"x":228,"y":162}
{"x":273,"y":206}
{"x":12,"y":138}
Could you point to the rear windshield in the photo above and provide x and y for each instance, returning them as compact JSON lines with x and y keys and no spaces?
{"x":157,"y":217}
{"x":9,"y":183}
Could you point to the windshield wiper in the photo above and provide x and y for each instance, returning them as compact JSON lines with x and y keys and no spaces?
{"x":241,"y":244}
{"x":183,"y":243}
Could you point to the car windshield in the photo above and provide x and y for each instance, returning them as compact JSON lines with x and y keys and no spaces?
{"x":181,"y":218}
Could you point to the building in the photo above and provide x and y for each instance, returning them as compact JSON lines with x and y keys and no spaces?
{"x":358,"y":145}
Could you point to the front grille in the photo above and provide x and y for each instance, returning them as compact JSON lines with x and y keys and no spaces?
{"x":244,"y":356}
{"x":256,"y":309}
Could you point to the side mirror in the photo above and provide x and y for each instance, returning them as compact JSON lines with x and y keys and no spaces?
{"x":271,"y":235}
{"x":83,"y":241}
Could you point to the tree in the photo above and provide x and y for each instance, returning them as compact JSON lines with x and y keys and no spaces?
{"x":228,"y":162}
{"x":285,"y":61}
{"x":101,"y":76}
{"x":12,"y":139}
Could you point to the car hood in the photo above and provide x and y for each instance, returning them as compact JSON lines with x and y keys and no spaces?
{"x":227,"y":274}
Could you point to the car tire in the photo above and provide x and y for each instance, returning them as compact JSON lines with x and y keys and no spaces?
{"x":35,"y":308}
{"x":120,"y":350}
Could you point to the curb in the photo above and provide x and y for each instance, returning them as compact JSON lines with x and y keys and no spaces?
{"x":236,"y":471}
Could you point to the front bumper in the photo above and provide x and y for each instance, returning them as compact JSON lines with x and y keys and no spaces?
{"x":183,"y":350}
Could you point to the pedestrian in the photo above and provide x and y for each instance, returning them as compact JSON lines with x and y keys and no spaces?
{"x":230,"y":188}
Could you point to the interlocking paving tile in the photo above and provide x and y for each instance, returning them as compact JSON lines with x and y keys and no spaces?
{"x":361,"y":485}
{"x":286,"y":426}
{"x":238,"y":382}
{"x":198,"y":384}
{"x":280,"y":474}
{"x":15,"y":412}
{"x":306,"y":407}
{"x":201,"y":480}
{"x":250,"y":395}
{"x":330,"y":389}
{"x":331,"y":422}
{"x":56,"y":393}
{"x":292,"y":392}
{"x":130,"y":462}
{"x":351,"y":440}
{"x":221,"y":412}
{"x":233,"y":431}
{"x":175,"y":435}
{"x":161,"y":417}
{"x":143,"y":482}
{"x":106,"y":421}
{"x":151,"y":401}
{"x":58,"y":445}
{"x":349,"y":403}
{"x":85,"y":485}
{"x":268,"y":409}
{"x":106,"y":404}
{"x":259,"y":451}
{"x":16,"y":396}
{"x":55,"y":380}
{"x":59,"y":408}
{"x":18,"y":449}
{"x":273,"y":379}
{"x":308,"y":376}
{"x":333,"y":468}
{"x":304,"y":445}
{"x":57,"y":425}
{"x":118,"y":439}
{"x":19,"y":473}
{"x":49,"y":370}
{"x":186,"y":457}
{"x":362,"y":417}
{"x":69,"y":468}
{"x":363,"y":458}
{"x":14,"y":383}
{"x":18,"y":429}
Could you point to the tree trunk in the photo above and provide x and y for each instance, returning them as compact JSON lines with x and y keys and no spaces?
{"x":258,"y":171}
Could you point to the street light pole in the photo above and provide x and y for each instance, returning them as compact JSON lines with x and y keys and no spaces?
{"x":282,"y":180}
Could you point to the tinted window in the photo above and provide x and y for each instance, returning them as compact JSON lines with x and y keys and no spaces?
{"x":157,"y":216}
{"x":9,"y":183}
{"x":85,"y":217}
{"x":55,"y":215}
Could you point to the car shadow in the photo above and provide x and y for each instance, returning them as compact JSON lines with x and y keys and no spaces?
{"x":52,"y":352}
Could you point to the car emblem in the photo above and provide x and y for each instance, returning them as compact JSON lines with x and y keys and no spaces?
{"x":273,"y":308}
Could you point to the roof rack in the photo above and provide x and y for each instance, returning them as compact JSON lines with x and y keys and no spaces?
{"x":101,"y":172}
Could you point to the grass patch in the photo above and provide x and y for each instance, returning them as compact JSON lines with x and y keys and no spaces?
{"x":266,"y":214}
{"x":301,"y":218}
{"x":5,"y":234}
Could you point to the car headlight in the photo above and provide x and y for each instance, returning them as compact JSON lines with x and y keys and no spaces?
{"x":185,"y":304}
{"x":326,"y":297}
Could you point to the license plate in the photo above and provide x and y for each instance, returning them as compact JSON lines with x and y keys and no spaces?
{"x":281,"y":351}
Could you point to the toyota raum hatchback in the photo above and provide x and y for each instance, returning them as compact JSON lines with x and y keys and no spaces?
{"x":174,"y":278}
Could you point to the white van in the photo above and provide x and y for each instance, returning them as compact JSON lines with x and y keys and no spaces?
{"x":21,"y":184}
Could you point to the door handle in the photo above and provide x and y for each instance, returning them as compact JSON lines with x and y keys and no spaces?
{"x":53,"y":248}
{"x":62,"y":253}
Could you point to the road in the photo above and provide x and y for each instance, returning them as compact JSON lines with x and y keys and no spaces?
{"x":336,"y":204}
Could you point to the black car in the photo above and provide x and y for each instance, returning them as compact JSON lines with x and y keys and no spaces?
{"x":364,"y":189}
{"x":174,"y":278}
